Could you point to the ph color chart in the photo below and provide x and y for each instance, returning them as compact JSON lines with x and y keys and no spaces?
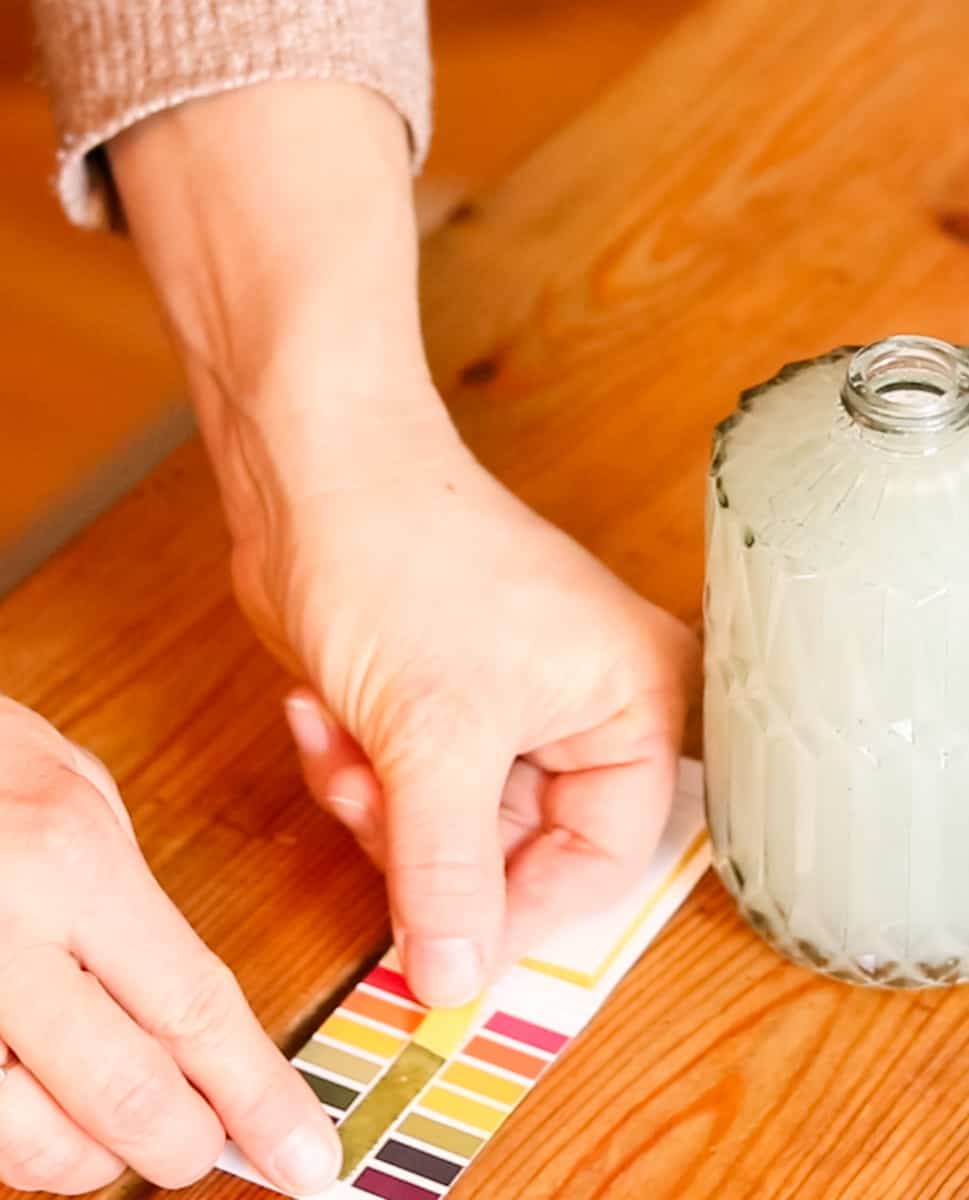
{"x":417,"y":1092}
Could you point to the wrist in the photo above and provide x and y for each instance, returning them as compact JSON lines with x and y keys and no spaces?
{"x":285,"y":469}
{"x":277,"y":225}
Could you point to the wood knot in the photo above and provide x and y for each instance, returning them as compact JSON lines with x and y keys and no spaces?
{"x":463,"y":212}
{"x":955,"y":223}
{"x":479,"y":372}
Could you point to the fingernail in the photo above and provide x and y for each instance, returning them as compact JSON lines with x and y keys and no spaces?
{"x":307,"y":725}
{"x":307,"y":1161}
{"x":444,"y":972}
{"x":355,"y":814}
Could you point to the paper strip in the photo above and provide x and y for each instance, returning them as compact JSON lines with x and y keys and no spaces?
{"x":381,"y":1107}
{"x":417,"y":1093}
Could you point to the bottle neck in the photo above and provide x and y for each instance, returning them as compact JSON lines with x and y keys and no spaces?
{"x":908,"y":393}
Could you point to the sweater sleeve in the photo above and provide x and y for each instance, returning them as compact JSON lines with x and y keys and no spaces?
{"x":110,"y":63}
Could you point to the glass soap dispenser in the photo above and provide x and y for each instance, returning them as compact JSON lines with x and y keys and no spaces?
{"x":836,"y":721}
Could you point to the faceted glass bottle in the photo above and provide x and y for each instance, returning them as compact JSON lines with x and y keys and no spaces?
{"x":836,"y":720}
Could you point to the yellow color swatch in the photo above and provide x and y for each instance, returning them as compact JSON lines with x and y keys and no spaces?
{"x":352,"y":1033}
{"x":444,"y":1029}
{"x":494,"y":1087}
{"x":475,"y":1113}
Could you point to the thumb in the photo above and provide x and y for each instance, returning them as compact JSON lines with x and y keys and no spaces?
{"x":445,"y":866}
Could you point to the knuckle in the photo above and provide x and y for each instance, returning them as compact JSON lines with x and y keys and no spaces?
{"x":425,"y":713}
{"x":204,"y":1015}
{"x":438,"y":883}
{"x":133,"y":1103}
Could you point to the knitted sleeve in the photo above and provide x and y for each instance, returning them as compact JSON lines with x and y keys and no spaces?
{"x":109,"y":63}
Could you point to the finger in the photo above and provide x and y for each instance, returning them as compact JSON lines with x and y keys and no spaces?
{"x":358,"y":803}
{"x":521,"y":813}
{"x":117,"y":1083}
{"x":41,"y":1148}
{"x":445,"y":866}
{"x":636,"y":732}
{"x":323,"y":745}
{"x":337,"y":772}
{"x":96,"y":773}
{"x":354,"y":798}
{"x":151,"y":960}
{"x":601,"y":830}
{"x":342,"y":781}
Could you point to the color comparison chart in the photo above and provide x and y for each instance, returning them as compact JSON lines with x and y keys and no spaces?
{"x":416,"y":1093}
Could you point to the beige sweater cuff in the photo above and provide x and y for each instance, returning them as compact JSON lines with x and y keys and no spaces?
{"x":109,"y":63}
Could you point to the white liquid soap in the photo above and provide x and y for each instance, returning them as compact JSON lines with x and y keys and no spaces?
{"x":836,"y":718}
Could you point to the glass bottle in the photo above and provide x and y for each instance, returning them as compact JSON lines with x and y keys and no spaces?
{"x":836,"y":720}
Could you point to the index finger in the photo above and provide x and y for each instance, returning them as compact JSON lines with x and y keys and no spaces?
{"x":145,"y":953}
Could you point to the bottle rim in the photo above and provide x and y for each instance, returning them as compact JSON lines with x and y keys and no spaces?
{"x":908,"y":384}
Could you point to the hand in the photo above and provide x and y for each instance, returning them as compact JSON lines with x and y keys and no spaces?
{"x":502,"y":716}
{"x":124,"y":1040}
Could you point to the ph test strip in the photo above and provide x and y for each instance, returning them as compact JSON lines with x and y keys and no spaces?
{"x":418,"y":1093}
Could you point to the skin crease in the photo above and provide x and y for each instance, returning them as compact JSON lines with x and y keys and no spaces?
{"x":494,"y":715}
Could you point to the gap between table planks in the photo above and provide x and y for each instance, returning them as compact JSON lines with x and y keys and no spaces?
{"x":769,"y":181}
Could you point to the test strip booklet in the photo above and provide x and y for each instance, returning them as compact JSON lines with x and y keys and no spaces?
{"x":417,"y":1092}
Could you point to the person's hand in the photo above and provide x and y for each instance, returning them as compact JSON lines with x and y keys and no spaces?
{"x":502,"y":716}
{"x":123,"y":1040}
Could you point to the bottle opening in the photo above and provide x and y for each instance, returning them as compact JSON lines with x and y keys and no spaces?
{"x":908,"y":384}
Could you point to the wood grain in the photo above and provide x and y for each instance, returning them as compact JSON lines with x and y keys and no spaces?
{"x":768,"y":182}
{"x":552,"y":58}
{"x":109,"y":403}
{"x":86,"y":365}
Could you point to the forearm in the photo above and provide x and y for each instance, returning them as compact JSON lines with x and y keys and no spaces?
{"x":276,"y":223}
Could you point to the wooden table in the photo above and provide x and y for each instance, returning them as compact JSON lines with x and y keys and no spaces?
{"x":771,"y":180}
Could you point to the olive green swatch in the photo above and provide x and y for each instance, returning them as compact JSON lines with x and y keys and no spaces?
{"x":443,"y":1137}
{"x":337,"y":1095}
{"x":341,"y":1062}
